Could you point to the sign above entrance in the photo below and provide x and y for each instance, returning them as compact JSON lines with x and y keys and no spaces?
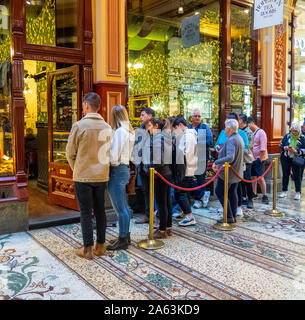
{"x":268,"y":13}
{"x":190,"y":31}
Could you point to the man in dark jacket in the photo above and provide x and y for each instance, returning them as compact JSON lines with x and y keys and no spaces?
{"x":143,"y":143}
{"x":205,"y":141}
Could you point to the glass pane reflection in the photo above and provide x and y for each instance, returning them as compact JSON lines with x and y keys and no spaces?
{"x":52,"y":22}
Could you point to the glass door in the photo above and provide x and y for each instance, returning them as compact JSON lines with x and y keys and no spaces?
{"x":63,"y":110}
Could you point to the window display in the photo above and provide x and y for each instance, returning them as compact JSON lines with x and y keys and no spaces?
{"x":52,"y":22}
{"x":241,"y":21}
{"x":6,"y":134}
{"x":173,"y":77}
{"x":64,"y":102}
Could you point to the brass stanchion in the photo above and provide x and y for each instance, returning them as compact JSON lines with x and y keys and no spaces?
{"x":150,"y":243}
{"x":224,"y":226}
{"x":274,"y":212}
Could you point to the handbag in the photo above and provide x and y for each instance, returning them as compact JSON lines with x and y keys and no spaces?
{"x":299,"y":161}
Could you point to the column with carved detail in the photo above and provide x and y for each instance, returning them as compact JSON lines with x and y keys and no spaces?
{"x":225,"y":60}
{"x":110,"y":53}
{"x":274,"y":96}
{"x":18,"y":102}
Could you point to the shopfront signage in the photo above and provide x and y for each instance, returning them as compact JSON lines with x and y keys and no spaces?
{"x":268,"y":13}
{"x":3,"y":18}
{"x":190,"y":31}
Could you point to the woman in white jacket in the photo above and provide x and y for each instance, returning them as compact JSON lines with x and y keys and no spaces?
{"x":120,"y":154}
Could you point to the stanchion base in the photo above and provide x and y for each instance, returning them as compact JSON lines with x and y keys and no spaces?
{"x":151,"y":244}
{"x":224,"y":226}
{"x":274,"y":213}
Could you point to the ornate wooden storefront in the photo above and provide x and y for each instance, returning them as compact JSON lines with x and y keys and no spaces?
{"x":81,"y":56}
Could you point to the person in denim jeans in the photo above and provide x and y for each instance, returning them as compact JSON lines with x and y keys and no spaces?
{"x":120,"y":154}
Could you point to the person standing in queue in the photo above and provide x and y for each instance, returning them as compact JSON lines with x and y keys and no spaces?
{"x":143,"y":143}
{"x":205,"y":137}
{"x":233,"y":153}
{"x":185,"y":164}
{"x":260,"y":154}
{"x":120,"y":155}
{"x":87,"y":152}
{"x":162,"y":141}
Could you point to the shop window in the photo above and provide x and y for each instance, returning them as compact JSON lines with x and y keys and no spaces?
{"x":163,"y":72}
{"x":52,"y":22}
{"x":241,"y":20}
{"x":299,"y":65}
{"x":6,"y":134}
{"x":242,"y":99}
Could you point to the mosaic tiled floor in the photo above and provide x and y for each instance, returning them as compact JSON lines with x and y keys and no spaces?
{"x":264,"y":258}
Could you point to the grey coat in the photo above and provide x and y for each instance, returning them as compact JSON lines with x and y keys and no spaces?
{"x":233,"y":153}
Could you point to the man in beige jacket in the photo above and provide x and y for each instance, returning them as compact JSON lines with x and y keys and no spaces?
{"x":88,"y":155}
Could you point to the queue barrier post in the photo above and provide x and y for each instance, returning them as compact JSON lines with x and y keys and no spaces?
{"x":274,"y":212}
{"x":224,"y":226}
{"x":150,"y":243}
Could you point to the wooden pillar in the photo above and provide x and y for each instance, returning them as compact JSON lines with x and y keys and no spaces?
{"x":18,"y":102}
{"x":274,"y":96}
{"x":110,"y":53}
{"x":225,"y":60}
{"x":88,"y":49}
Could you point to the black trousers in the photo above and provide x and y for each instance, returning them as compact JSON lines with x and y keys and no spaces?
{"x":145,"y":180}
{"x":232,"y":196}
{"x":91,"y":196}
{"x":164,"y":203}
{"x":287,"y":166}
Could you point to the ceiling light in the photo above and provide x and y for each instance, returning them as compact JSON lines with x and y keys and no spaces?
{"x":180,"y":10}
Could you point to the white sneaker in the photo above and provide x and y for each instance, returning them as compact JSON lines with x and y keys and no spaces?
{"x":205,"y":199}
{"x":297,"y":196}
{"x":197,"y":204}
{"x":239,"y":212}
{"x":187,"y":221}
{"x":283,"y":194}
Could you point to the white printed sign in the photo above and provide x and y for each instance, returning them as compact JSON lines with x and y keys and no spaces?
{"x":268,"y":13}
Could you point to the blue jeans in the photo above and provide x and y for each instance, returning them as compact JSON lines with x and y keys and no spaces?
{"x":175,"y":205}
{"x":200,"y":181}
{"x":119,"y":177}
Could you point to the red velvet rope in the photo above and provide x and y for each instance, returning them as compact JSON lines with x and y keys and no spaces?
{"x":216,"y":175}
{"x":188,"y":189}
{"x":255,"y":180}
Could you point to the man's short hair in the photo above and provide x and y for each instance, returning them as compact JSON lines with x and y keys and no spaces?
{"x":149,"y":111}
{"x":250,"y":119}
{"x":243,"y":118}
{"x":93,"y":99}
{"x":179,"y":120}
{"x":195,"y":111}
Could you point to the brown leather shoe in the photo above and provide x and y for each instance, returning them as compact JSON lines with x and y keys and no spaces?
{"x":158,"y":234}
{"x":169,"y":232}
{"x":85,"y":252}
{"x":99,"y":249}
{"x":142,"y":220}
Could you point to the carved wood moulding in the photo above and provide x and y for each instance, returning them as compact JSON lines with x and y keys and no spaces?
{"x":114,"y":38}
{"x":280,"y":55}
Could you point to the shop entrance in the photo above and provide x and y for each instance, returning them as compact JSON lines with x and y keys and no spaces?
{"x":52,"y":95}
